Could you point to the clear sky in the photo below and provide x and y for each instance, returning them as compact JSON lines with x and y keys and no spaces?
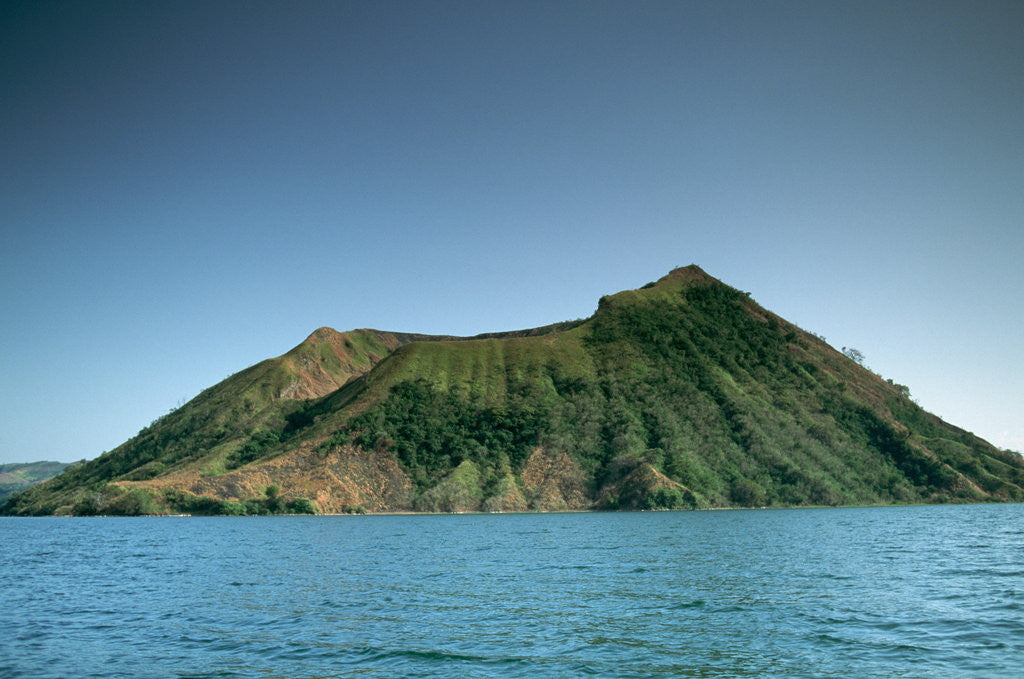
{"x":187,"y":188}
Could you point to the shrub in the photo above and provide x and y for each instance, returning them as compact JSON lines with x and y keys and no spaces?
{"x":135,"y":502}
{"x":747,"y":493}
{"x":253,"y":449}
{"x":301,"y":505}
{"x":664,"y":498}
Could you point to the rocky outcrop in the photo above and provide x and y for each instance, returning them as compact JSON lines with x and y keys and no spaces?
{"x":553,"y":481}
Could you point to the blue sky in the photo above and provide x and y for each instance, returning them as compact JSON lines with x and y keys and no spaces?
{"x":188,"y":188}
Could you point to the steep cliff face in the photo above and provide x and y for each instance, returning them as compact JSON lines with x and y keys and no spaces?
{"x":683,"y":393}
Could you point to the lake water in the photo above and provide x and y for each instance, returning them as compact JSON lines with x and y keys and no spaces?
{"x":872,"y":592}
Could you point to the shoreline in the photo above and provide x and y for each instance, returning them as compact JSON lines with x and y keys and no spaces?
{"x":523,"y":513}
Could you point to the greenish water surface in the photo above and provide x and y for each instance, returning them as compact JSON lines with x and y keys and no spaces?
{"x":870,"y":592}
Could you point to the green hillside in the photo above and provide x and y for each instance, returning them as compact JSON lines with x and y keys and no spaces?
{"x":17,"y":476}
{"x":224,"y":426}
{"x":682,"y":394}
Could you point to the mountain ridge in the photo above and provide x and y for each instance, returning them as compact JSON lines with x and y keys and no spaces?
{"x":17,"y":476}
{"x":683,"y":393}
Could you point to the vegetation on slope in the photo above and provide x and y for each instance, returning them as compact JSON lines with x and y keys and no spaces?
{"x":691,"y":382}
{"x":684,"y":393}
{"x":224,"y":427}
{"x":17,"y":476}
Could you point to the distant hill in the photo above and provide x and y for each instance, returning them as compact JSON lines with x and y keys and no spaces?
{"x":684,"y":393}
{"x":16,"y":477}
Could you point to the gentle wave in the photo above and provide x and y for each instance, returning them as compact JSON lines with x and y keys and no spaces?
{"x":877,"y":592}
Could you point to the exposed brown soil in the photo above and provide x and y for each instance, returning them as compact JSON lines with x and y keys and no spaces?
{"x":340,"y":481}
{"x":553,"y":481}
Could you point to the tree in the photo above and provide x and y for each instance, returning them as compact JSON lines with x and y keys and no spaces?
{"x":854,"y":355}
{"x":273,"y":502}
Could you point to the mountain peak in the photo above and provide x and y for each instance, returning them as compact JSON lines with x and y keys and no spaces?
{"x":691,"y":272}
{"x":682,"y":393}
{"x":323,"y":333}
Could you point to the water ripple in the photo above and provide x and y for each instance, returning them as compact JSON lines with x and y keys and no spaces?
{"x":923,"y":592}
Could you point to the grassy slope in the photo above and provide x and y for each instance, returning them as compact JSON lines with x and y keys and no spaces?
{"x":16,"y":477}
{"x":682,"y":393}
{"x":212,"y":427}
{"x":690,"y":381}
